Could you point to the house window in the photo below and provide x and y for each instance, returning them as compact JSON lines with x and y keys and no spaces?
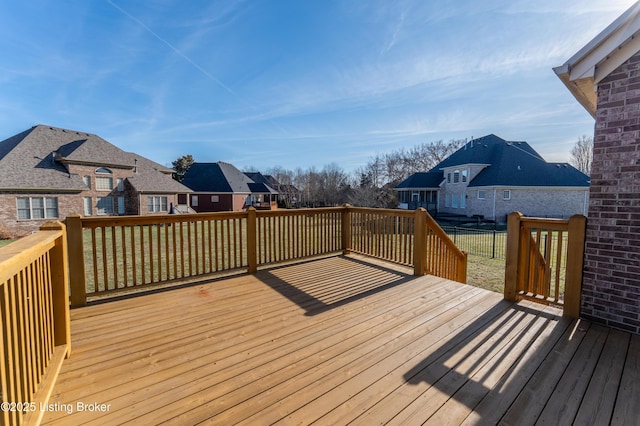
{"x":87,"y":181}
{"x":120,"y":184}
{"x":120,"y":205}
{"x":103,"y":171}
{"x":456,"y":176}
{"x":463,"y":201}
{"x":447,"y":200}
{"x":157,"y":204}
{"x":506,"y":194}
{"x":215,"y":198}
{"x":481,"y":194}
{"x":104,"y":183}
{"x":88,"y":211}
{"x":37,"y":208}
{"x":194,"y":201}
{"x":104,"y":206}
{"x":448,"y":177}
{"x":464,"y":176}
{"x":454,"y":201}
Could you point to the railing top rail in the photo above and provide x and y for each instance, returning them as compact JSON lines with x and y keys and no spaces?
{"x":551,"y":224}
{"x":20,"y":253}
{"x":297,"y":212}
{"x":96,"y":222}
{"x":387,"y":212}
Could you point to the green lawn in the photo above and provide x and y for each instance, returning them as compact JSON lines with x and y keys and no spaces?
{"x":5,"y":242}
{"x":486,"y":273}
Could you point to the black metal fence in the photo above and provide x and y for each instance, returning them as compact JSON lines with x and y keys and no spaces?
{"x":480,"y":242}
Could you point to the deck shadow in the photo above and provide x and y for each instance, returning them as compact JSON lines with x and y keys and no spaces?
{"x":320,"y":285}
{"x":477,"y":366}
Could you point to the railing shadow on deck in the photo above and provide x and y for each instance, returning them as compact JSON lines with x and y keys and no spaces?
{"x":485,"y":366}
{"x":319,"y":293}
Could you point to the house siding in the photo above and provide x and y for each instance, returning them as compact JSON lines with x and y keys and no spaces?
{"x":552,"y":203}
{"x":611,"y":283}
{"x":226,"y":202}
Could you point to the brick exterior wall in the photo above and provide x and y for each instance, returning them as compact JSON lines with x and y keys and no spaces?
{"x":9,"y":223}
{"x":134,"y":202}
{"x":611,"y":283}
{"x":556,"y":203}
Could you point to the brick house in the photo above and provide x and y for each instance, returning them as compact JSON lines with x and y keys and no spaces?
{"x":604,"y":76}
{"x":48,"y":173}
{"x":490,"y":177}
{"x":222,"y":187}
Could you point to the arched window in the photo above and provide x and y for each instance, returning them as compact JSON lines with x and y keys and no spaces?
{"x":104,"y":183}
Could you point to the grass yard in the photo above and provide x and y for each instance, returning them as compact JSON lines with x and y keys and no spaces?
{"x":5,"y":242}
{"x":486,"y":273}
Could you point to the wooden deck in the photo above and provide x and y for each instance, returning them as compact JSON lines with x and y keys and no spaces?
{"x":341,"y":340}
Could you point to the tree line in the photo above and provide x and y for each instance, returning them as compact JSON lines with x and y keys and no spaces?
{"x":370,"y":185}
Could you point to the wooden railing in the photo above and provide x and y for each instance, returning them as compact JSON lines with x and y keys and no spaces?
{"x":409,"y":238}
{"x":284,"y":235}
{"x":114,"y":254}
{"x":544,"y":261}
{"x":35,"y":334}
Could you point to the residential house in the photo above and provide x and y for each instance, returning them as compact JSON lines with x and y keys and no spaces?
{"x":222,"y":187}
{"x":604,"y":76}
{"x":490,"y":177}
{"x":48,"y":173}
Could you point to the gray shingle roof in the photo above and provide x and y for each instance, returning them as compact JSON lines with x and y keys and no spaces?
{"x":34,"y":159}
{"x":422,"y":180}
{"x":509,"y":163}
{"x":223,"y":178}
{"x":152,"y":177}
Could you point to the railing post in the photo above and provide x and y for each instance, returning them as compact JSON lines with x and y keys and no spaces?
{"x":513,"y":245}
{"x":575,"y":259}
{"x":346,"y":229}
{"x":420,"y":242}
{"x":60,"y":287}
{"x":252,"y":241}
{"x":461,"y":275}
{"x":75,"y":246}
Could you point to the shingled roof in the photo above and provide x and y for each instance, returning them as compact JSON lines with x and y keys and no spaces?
{"x":222,"y":178}
{"x":35,"y":160}
{"x":422,"y":180}
{"x":508,"y":163}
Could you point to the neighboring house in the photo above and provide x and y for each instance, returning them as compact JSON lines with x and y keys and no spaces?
{"x":604,"y":76}
{"x":221,"y":187}
{"x":48,"y":173}
{"x":490,"y":177}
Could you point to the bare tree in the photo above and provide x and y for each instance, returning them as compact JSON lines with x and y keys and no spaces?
{"x":181,"y":165}
{"x":582,"y":154}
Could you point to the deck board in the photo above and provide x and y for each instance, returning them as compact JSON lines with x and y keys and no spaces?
{"x":340,"y":340}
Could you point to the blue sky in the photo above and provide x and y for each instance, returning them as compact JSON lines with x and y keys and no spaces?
{"x":296,"y":83}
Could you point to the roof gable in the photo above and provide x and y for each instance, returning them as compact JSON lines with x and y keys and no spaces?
{"x":595,"y":61}
{"x":508,"y":163}
{"x":486,"y":150}
{"x":224,"y":178}
{"x":216,"y":177}
{"x":36,"y":158}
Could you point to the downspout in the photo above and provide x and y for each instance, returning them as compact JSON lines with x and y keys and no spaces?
{"x":586,"y":202}
{"x":494,"y":204}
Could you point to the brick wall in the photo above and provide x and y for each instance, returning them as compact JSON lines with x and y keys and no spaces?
{"x":611,"y":284}
{"x":67,"y":204}
{"x":556,"y":203}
